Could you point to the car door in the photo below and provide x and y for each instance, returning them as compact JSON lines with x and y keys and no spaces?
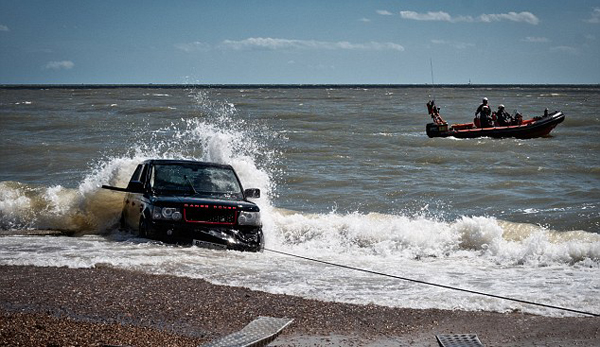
{"x":131,"y":203}
{"x":142,"y":198}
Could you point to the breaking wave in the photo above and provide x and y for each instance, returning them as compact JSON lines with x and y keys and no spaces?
{"x":216,"y":134}
{"x":418,"y":237}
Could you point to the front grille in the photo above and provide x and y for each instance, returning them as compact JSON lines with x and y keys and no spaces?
{"x":210,"y":214}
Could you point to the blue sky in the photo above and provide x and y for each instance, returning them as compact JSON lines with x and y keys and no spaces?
{"x":300,"y":42}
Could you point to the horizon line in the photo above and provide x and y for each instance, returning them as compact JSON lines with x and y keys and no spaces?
{"x":278,"y":85}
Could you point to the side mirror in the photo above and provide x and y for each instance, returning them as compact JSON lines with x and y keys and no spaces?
{"x":135,"y":187}
{"x":252,"y":193}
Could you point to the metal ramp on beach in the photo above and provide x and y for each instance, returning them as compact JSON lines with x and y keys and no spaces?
{"x":259,"y":332}
{"x":459,"y":340}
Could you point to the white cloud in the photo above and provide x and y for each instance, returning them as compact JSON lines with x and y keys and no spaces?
{"x":60,"y":65}
{"x":523,"y":17}
{"x":455,"y":44}
{"x":536,"y":39}
{"x":266,"y":43}
{"x":364,"y":20}
{"x":429,"y":16}
{"x":441,"y":16}
{"x":4,"y":28}
{"x":595,"y":19}
{"x":384,"y":13}
{"x":196,"y":46}
{"x":565,"y":49}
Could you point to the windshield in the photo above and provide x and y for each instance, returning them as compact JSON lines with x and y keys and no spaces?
{"x":186,"y":179}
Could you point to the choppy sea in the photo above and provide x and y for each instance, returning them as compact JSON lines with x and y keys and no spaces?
{"x":347,"y":175}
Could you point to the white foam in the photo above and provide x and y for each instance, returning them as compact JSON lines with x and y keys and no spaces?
{"x":416,"y":237}
{"x":218,"y":135}
{"x":15,"y":206}
{"x":470,"y":251}
{"x":562,"y":285}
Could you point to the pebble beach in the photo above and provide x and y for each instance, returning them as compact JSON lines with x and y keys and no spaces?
{"x":104,"y":306}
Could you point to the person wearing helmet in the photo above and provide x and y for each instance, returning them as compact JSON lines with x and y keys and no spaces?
{"x":502,"y":117}
{"x":484,"y":103}
{"x":484,"y":114}
{"x":518,"y":120}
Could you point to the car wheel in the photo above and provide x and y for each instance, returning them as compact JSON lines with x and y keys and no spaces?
{"x":143,"y":229}
{"x":122,"y":225}
{"x":261,"y":242}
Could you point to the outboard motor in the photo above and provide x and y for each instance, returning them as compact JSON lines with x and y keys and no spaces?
{"x":434,"y":130}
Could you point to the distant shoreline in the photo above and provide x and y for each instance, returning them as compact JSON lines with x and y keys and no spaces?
{"x":287,"y":86}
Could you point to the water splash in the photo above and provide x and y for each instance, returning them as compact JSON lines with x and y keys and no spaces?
{"x":356,"y":236}
{"x":215,"y":132}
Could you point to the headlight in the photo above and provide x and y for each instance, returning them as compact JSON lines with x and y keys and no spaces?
{"x":176,"y":215}
{"x":249,"y":218}
{"x":169,"y":213}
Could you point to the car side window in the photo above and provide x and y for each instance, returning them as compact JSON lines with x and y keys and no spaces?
{"x":152,"y":178}
{"x":144,"y":174}
{"x":136,"y":173}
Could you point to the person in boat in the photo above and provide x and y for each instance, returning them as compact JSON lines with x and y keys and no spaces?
{"x":434,"y":112}
{"x":484,"y":103}
{"x":503,"y":118}
{"x":518,"y":120}
{"x":483,"y":115}
{"x":485,"y":118}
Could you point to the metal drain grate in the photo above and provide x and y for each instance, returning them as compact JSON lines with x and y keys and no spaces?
{"x":257,"y":333}
{"x":459,"y":340}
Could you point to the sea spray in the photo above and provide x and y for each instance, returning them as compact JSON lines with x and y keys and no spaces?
{"x":56,"y":208}
{"x":213,"y":134}
{"x":15,"y":206}
{"x":418,"y":237}
{"x":214,"y":130}
{"x":401,"y":203}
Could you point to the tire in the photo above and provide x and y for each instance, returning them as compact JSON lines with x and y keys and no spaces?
{"x":143,"y":229}
{"x":122,"y":224}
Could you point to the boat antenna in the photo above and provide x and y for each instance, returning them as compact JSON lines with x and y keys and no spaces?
{"x":432,"y":81}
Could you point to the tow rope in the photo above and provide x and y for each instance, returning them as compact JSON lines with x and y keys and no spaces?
{"x":432,"y":284}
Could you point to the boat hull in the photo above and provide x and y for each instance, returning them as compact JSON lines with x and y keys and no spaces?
{"x":529,"y":129}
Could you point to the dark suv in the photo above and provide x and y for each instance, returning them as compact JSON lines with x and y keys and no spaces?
{"x":190,"y":201}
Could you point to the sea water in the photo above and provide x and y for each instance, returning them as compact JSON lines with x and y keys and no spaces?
{"x":347,"y":175}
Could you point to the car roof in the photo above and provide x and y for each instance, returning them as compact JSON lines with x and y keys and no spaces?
{"x":183,"y":161}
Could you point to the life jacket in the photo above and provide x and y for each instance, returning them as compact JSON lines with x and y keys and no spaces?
{"x":518,"y":119}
